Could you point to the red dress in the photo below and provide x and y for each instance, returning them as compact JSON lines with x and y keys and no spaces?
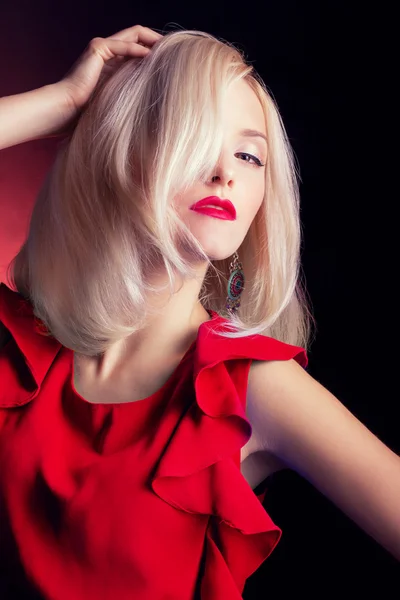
{"x":142,"y":500}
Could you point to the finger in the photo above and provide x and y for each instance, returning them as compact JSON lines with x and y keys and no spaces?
{"x":109,"y":48}
{"x":138,"y":33}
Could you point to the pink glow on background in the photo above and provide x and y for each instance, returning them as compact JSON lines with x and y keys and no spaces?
{"x":22,"y":171}
{"x":32,"y":54}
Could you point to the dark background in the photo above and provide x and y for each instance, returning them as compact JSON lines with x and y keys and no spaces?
{"x":332,"y":69}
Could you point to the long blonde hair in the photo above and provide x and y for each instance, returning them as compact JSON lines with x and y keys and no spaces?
{"x":103,"y":217}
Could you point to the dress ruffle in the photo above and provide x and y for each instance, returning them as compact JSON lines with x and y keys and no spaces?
{"x":28,"y":346}
{"x":200,"y":470}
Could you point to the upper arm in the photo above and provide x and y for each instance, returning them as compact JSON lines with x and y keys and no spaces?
{"x":303,"y":424}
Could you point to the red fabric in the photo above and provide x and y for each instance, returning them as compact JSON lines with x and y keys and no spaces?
{"x":141,"y":500}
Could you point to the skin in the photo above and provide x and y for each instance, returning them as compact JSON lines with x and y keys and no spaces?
{"x":240,"y":179}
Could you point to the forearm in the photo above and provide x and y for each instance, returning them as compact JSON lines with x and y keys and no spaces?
{"x":31,"y":115}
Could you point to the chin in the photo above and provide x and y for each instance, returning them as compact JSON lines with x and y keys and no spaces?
{"x":222,"y":248}
{"x":213,"y":252}
{"x":216,"y":246}
{"x":220,"y":255}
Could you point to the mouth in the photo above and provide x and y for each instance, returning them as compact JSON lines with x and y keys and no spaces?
{"x":214,"y":206}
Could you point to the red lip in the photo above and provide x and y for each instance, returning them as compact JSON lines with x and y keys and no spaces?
{"x":226,"y":205}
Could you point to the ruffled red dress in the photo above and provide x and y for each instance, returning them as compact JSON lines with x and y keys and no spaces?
{"x":142,"y":500}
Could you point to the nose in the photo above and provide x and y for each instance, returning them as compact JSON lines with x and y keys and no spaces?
{"x":223,"y":176}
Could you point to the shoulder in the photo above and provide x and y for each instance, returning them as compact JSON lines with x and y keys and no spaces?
{"x":28,"y":354}
{"x":273,"y":387}
{"x":286,"y":404}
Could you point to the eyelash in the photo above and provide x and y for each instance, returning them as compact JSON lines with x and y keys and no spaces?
{"x":258,"y":162}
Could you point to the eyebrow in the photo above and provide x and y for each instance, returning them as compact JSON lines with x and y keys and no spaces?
{"x":252,"y":133}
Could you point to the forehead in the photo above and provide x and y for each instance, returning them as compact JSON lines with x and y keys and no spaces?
{"x":242,"y":108}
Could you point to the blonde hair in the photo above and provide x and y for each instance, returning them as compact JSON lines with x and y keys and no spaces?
{"x":103,"y":218}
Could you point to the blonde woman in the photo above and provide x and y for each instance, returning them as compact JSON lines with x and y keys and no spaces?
{"x":154,"y":344}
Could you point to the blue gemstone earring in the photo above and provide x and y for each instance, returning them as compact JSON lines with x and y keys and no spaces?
{"x":235,"y":284}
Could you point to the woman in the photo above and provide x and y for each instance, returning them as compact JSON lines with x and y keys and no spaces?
{"x":152,"y":362}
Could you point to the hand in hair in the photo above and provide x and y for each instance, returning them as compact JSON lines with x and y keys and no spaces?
{"x":100,"y":60}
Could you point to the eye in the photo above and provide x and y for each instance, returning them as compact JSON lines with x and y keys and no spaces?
{"x":257,"y":162}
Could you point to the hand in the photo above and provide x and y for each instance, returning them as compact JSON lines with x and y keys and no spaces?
{"x":101,"y":59}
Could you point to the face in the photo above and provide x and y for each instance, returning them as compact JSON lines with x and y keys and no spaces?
{"x":238,"y":177}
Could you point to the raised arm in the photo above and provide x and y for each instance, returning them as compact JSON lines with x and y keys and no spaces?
{"x":53,"y":109}
{"x":34,"y":114}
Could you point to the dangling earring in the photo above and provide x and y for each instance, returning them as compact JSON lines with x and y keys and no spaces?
{"x":235,"y":284}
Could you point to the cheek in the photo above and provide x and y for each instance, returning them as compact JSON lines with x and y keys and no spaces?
{"x":257,"y":193}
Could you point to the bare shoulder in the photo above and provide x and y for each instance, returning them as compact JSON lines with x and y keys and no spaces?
{"x":288,"y":406}
{"x":272,"y":387}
